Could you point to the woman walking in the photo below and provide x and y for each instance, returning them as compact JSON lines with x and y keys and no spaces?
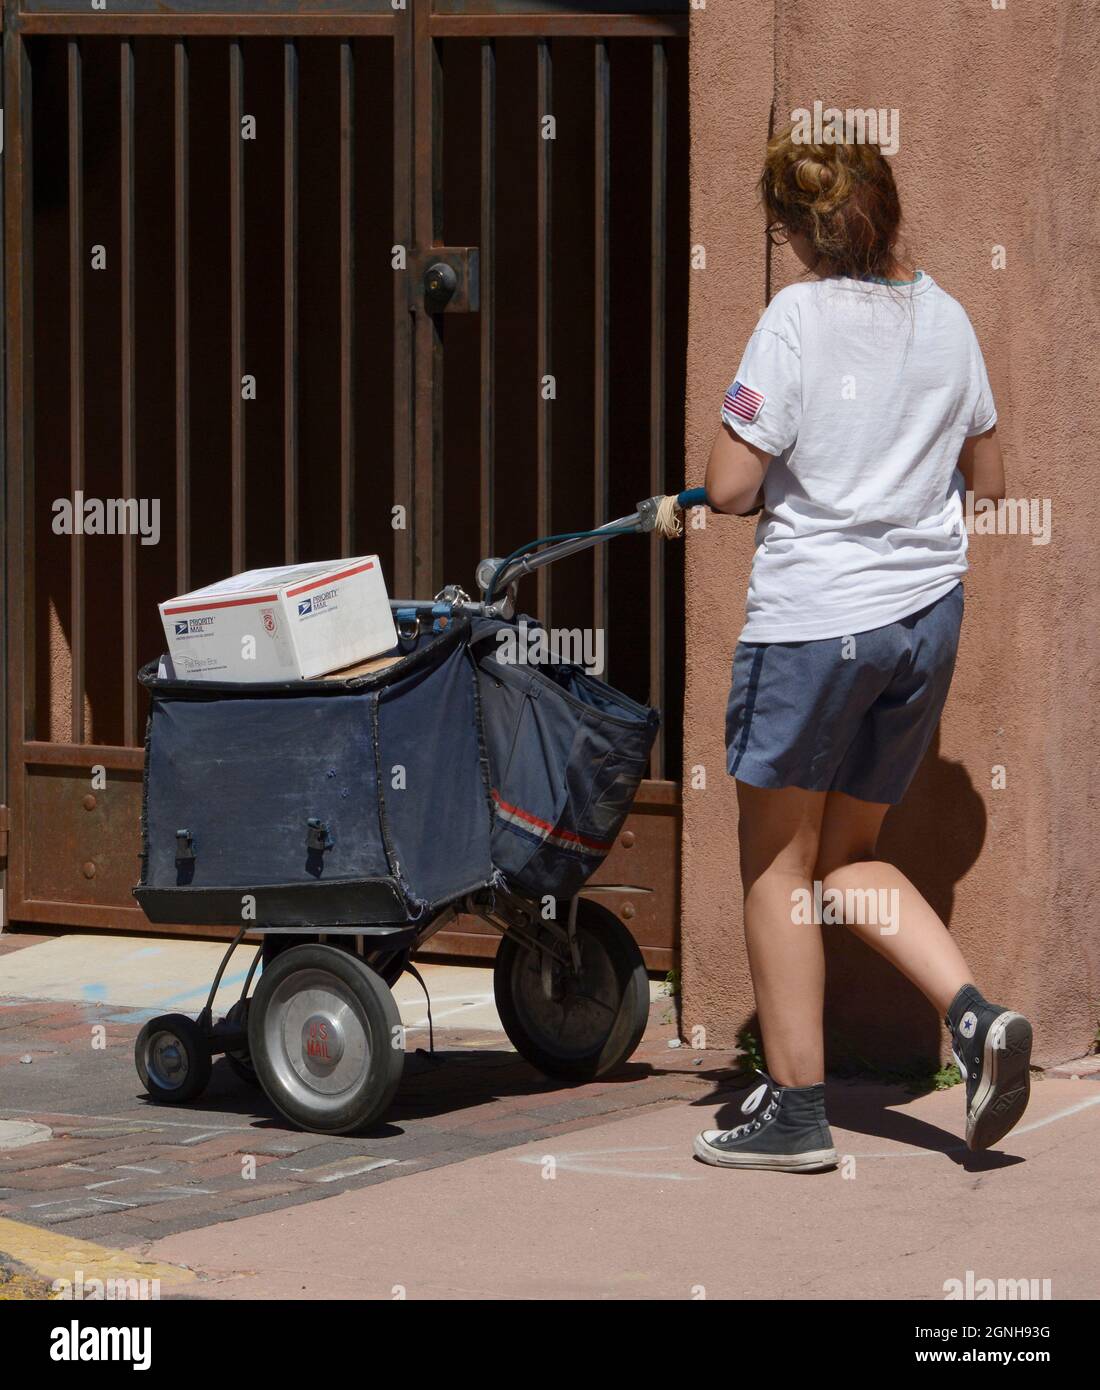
{"x":860,"y":415}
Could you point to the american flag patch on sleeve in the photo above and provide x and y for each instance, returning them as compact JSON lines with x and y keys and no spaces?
{"x":743,"y":402}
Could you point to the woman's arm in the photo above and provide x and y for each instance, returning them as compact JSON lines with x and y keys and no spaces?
{"x":735,"y":474}
{"x":983,"y":467}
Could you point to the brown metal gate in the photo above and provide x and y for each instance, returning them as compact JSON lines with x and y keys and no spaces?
{"x":219,"y":229}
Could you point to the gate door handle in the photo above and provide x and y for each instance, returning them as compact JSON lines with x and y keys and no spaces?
{"x":446,"y":279}
{"x":440,"y":283}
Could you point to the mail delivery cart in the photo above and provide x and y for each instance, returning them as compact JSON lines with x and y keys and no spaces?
{"x":346,"y":821}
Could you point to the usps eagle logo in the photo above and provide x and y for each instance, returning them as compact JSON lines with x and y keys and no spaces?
{"x":742,"y":402}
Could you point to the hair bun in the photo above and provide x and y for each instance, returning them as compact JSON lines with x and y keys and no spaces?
{"x":841,"y":196}
{"x":813,"y":175}
{"x":827,"y":180}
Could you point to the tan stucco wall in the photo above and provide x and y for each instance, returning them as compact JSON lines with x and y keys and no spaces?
{"x":999,"y":124}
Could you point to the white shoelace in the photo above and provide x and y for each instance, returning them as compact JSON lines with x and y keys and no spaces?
{"x":750,"y":1125}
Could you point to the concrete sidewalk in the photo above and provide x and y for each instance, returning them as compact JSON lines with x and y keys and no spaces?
{"x":622,"y":1210}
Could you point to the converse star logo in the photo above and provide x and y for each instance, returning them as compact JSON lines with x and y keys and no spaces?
{"x":753,"y":1099}
{"x":968,"y":1024}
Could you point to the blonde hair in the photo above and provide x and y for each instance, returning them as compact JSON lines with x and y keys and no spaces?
{"x":842,"y":197}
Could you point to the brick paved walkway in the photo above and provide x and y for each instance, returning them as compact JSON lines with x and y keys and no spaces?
{"x":119,"y":1170}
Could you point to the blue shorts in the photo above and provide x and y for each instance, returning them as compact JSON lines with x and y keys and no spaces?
{"x":850,"y":714}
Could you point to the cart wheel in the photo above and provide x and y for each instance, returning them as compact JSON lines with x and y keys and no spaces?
{"x":325,"y":1038}
{"x":173,"y":1059}
{"x":240,"y":1063}
{"x":574,"y":1026}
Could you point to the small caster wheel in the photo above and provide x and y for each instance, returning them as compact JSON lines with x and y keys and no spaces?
{"x":173,"y":1059}
{"x":240,"y":1063}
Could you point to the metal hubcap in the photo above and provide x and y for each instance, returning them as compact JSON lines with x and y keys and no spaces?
{"x":317,"y":1039}
{"x":166,"y":1060}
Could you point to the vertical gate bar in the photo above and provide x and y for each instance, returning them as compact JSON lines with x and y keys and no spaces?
{"x":404,"y":363}
{"x":290,"y":301}
{"x":428,"y":366}
{"x":488,"y":306}
{"x":347,"y":298}
{"x":601,"y":330}
{"x":544,"y":212}
{"x":236,"y":300}
{"x":658,"y":219}
{"x":18,"y":166}
{"x":76,"y":382}
{"x":181,"y":214}
{"x":5,"y":549}
{"x":128,"y":443}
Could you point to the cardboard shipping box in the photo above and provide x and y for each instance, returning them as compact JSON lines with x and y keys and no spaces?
{"x":286,"y":623}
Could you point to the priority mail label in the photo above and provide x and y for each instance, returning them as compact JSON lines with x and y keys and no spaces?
{"x":193,"y":627}
{"x":326,"y":602}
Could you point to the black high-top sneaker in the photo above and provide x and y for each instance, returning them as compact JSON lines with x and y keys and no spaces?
{"x":992,"y":1047}
{"x":783,"y":1127}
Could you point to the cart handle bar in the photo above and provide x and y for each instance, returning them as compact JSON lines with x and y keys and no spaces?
{"x":659,"y":514}
{"x":654,"y":514}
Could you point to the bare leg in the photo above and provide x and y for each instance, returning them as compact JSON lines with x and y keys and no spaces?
{"x":778,"y":833}
{"x":921,"y":948}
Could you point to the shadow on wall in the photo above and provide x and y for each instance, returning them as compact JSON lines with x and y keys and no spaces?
{"x":873,"y":1015}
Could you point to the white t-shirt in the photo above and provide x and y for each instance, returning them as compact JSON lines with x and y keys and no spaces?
{"x":864,"y":393}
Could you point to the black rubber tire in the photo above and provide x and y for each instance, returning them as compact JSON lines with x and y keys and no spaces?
{"x":184,"y":1059}
{"x":240,"y":1063}
{"x":563,"y":1037}
{"x":356,"y":1098}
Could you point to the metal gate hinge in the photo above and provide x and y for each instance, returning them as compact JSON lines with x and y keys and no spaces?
{"x":445,"y":280}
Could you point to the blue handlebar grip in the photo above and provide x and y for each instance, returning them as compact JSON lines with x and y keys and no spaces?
{"x":692,"y":497}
